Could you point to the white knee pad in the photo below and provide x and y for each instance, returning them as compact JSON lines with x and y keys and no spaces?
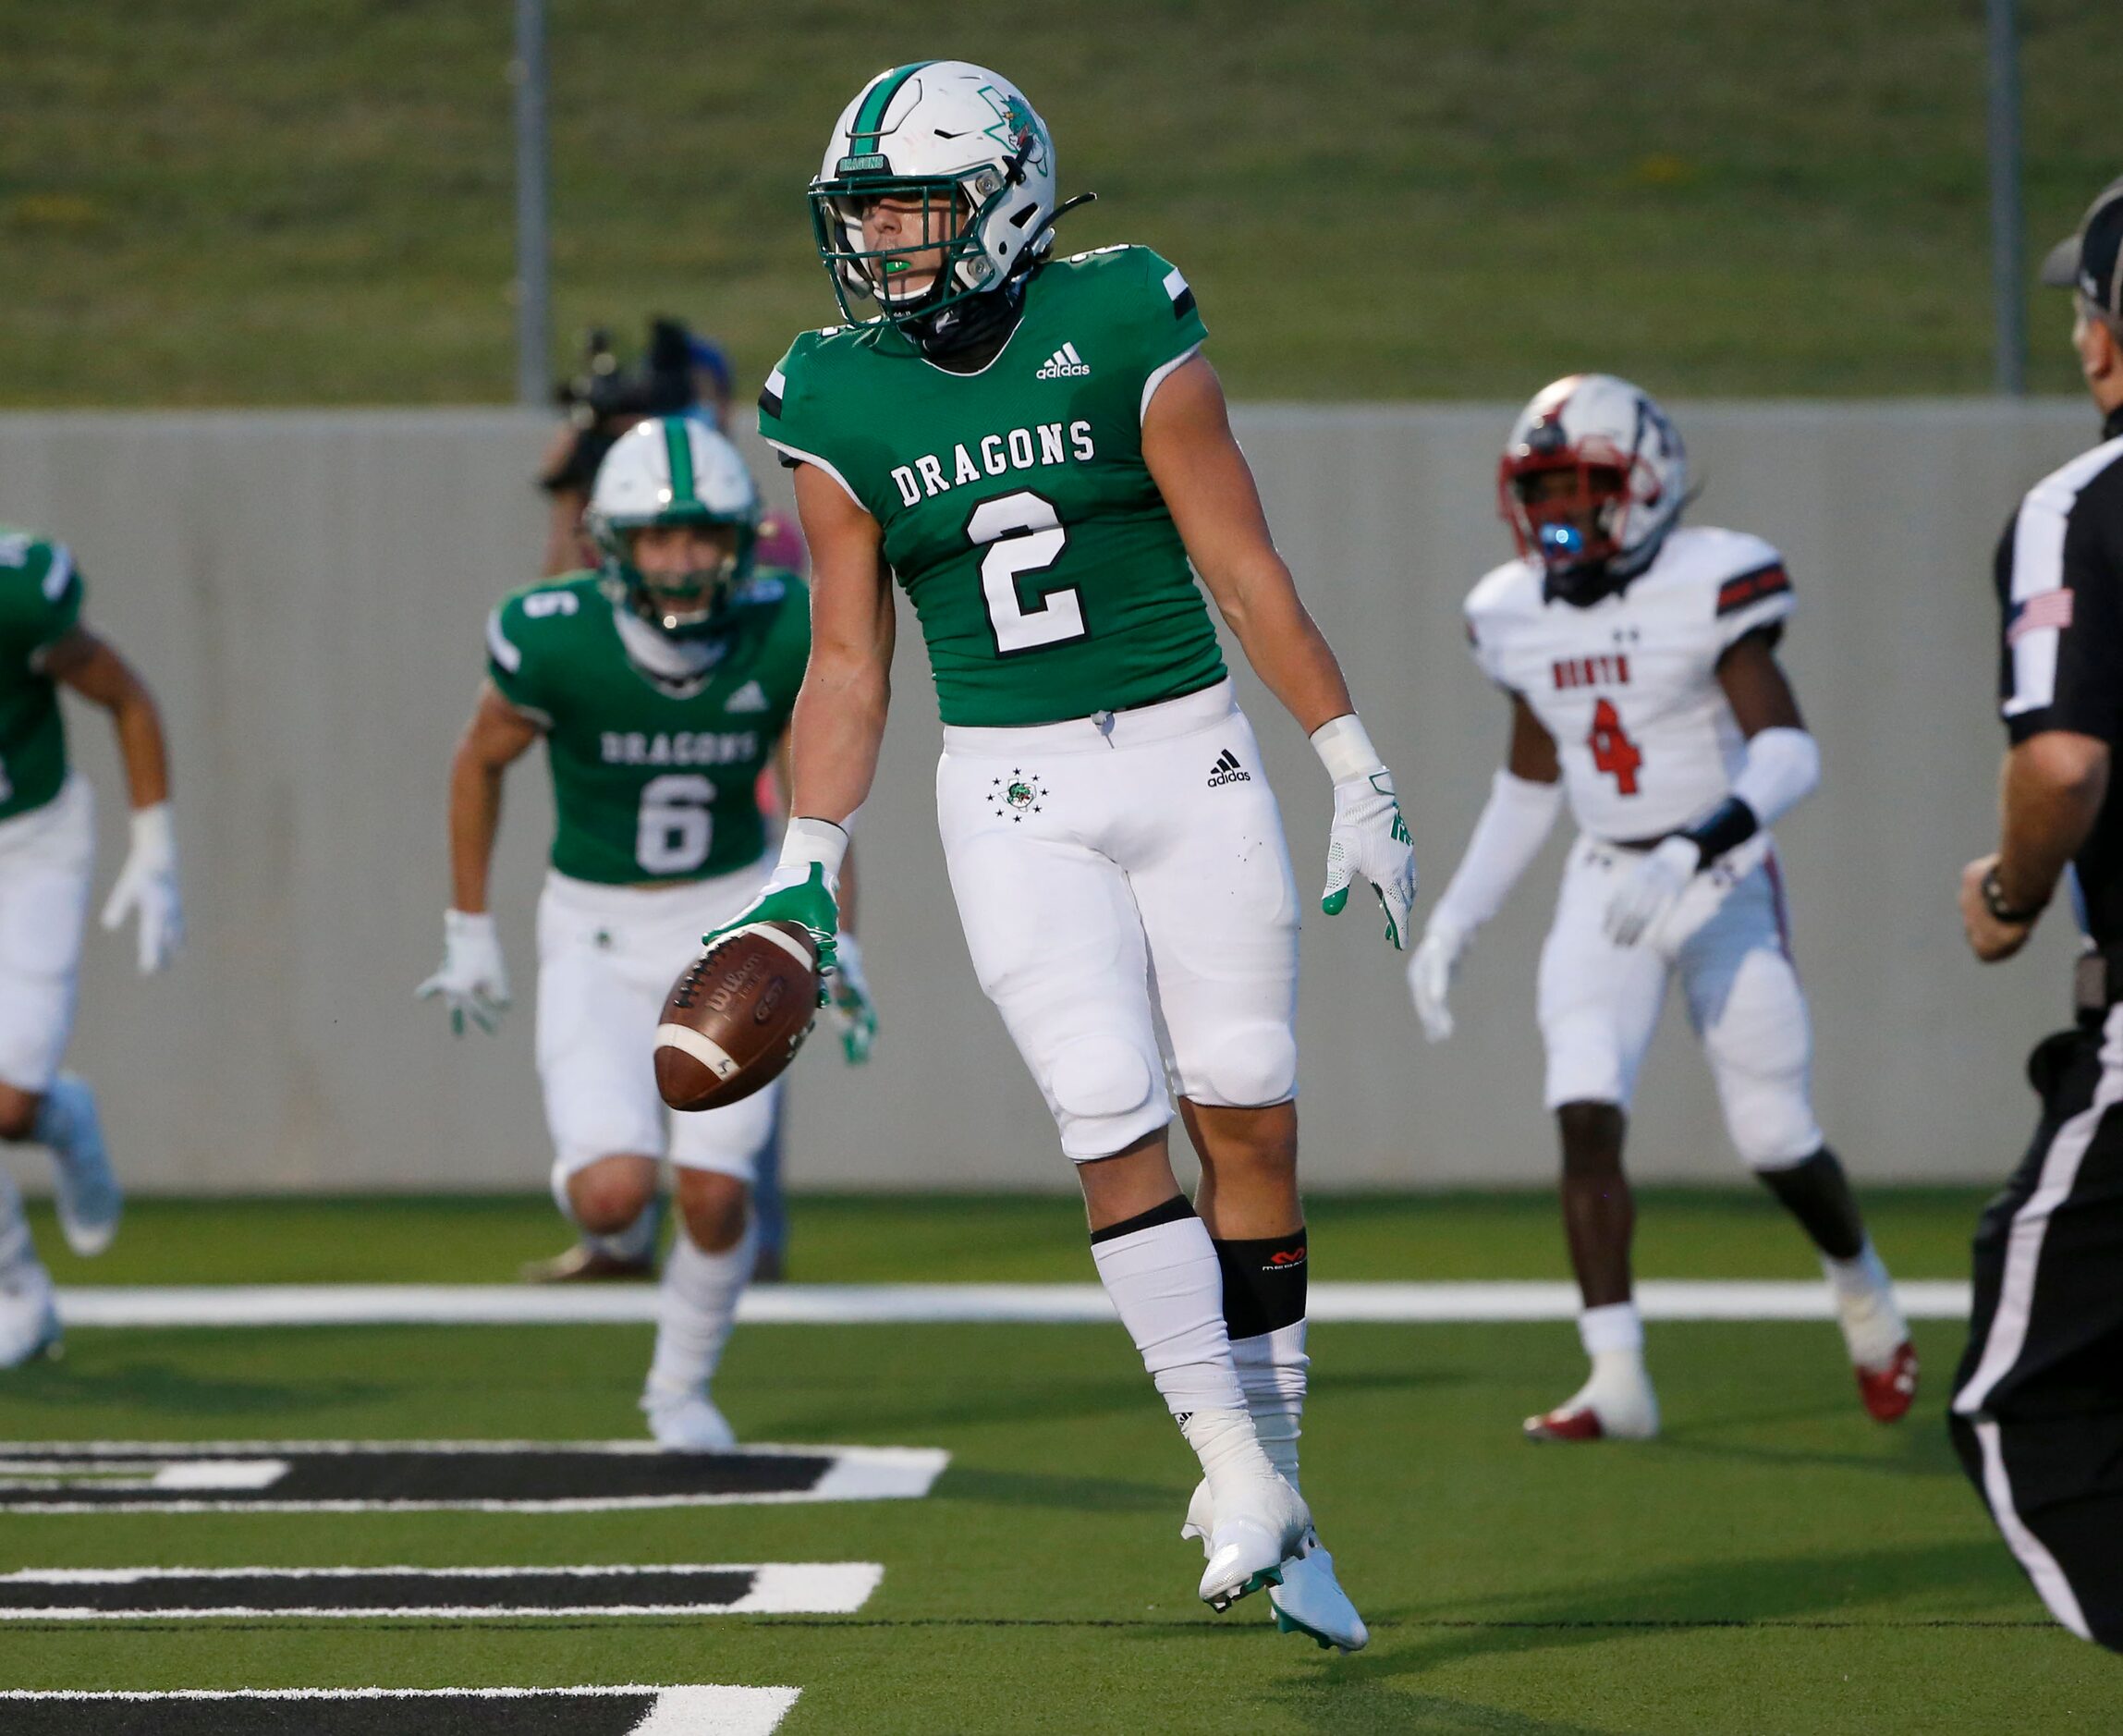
{"x":1771,"y":1123}
{"x":1104,"y":1095}
{"x":1248,"y":1068}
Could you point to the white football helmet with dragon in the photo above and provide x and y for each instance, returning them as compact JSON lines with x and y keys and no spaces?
{"x":673,"y":469}
{"x":964,"y":144}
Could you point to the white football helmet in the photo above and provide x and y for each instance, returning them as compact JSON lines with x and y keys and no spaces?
{"x":673,"y":469}
{"x":1592,"y":477}
{"x":965,"y":143}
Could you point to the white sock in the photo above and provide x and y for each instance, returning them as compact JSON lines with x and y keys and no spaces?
{"x":1230,"y":1454}
{"x":1272,"y":1372}
{"x":66,"y":1114}
{"x":1613,"y":1335}
{"x":16,"y":1248}
{"x":1873,"y":1324}
{"x":1169,"y":1289}
{"x":696,"y":1307}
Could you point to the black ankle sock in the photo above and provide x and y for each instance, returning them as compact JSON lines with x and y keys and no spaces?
{"x":1817,"y":1193}
{"x":1171,"y":1212}
{"x":1263,"y":1283}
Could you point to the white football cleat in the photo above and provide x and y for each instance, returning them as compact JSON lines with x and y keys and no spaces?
{"x":87,"y":1195}
{"x":1310,"y":1600}
{"x":1253,"y":1536}
{"x":28,"y":1315}
{"x":688,"y":1423}
{"x":1600,"y":1410}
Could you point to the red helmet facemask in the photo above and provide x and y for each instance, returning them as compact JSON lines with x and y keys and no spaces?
{"x":1575,"y":531}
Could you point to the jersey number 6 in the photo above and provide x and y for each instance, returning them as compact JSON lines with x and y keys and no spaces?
{"x":1023,"y":534}
{"x":1612,"y":751}
{"x":674,"y":828}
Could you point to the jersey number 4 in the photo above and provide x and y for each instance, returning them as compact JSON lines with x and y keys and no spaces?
{"x":1612,"y":751}
{"x":1023,"y":533}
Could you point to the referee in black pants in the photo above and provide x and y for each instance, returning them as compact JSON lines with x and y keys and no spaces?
{"x":2038,"y":1401}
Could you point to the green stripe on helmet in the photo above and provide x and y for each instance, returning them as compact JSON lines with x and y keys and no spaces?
{"x":869,"y":118}
{"x":679,"y":448}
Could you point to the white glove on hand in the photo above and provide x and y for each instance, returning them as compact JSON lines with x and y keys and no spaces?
{"x":473,"y":982}
{"x":849,"y":1004}
{"x":1430,"y":974}
{"x":1653,"y":889}
{"x":146,"y":886}
{"x":1369,"y":840}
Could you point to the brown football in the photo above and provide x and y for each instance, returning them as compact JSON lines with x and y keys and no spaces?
{"x":737,"y":1016}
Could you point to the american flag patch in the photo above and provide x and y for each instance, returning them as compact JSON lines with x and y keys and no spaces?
{"x":2050,"y":609}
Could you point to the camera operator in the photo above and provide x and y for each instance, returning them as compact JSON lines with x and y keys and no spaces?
{"x":2038,"y":1403}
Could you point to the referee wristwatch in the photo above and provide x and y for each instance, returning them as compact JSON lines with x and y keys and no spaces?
{"x":2000,"y":912}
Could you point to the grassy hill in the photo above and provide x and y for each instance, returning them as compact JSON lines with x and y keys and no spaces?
{"x":241,"y":202}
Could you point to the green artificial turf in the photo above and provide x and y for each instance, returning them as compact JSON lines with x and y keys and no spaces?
{"x":934,"y":1238}
{"x":231,"y":201}
{"x":1775,"y":1563}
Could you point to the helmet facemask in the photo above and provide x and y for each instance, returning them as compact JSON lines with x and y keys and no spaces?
{"x":947,"y":222}
{"x":680,"y":605}
{"x":1572,"y":509}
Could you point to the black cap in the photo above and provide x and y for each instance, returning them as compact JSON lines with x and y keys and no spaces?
{"x":2092,"y":261}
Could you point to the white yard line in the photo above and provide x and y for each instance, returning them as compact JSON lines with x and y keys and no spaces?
{"x":867,"y":1304}
{"x":690,"y":1711}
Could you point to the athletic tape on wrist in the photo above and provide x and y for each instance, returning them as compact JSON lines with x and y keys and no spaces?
{"x":1344,"y":747}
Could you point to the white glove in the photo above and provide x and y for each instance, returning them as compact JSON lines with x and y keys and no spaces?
{"x":1653,"y":889}
{"x":147,"y":887}
{"x":1369,"y":840}
{"x":473,"y":982}
{"x":1430,"y":974}
{"x":848,"y":1004}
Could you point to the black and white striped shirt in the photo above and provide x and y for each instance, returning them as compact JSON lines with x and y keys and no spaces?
{"x":2060,"y":593}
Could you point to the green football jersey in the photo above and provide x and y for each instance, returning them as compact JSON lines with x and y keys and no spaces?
{"x":40,"y":604}
{"x":1018,"y":512}
{"x":651,"y":779}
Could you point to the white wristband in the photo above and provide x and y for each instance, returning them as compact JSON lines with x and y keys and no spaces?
{"x":1783,"y":768}
{"x":1345,"y":749}
{"x":807,"y":841}
{"x":468,"y":925}
{"x":154,"y":830}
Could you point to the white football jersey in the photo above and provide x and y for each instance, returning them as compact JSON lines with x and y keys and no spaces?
{"x":1629,"y":687}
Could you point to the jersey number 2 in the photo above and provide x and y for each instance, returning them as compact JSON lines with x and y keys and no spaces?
{"x":674,"y":828}
{"x":1612,"y":751}
{"x":1022,"y":533}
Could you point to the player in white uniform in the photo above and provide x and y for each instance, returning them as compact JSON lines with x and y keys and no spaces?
{"x":47,"y":863}
{"x":1640,"y":658}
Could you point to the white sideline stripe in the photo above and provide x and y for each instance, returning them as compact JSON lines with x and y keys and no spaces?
{"x":708,"y":1710}
{"x":856,"y":1473}
{"x":867,"y":1304}
{"x":779,"y":1588}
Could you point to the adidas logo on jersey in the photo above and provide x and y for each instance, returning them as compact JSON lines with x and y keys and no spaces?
{"x":751,"y":696}
{"x":1228,"y":771}
{"x":1065,"y":363}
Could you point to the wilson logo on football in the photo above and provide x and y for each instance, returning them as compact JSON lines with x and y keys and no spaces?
{"x":1228,"y":771}
{"x":1065,"y":363}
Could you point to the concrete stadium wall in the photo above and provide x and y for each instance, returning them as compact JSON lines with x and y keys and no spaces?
{"x":306,"y":591}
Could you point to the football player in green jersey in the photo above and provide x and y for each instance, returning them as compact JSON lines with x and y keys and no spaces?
{"x":47,"y":859}
{"x":1035,"y":449}
{"x":661,"y":685}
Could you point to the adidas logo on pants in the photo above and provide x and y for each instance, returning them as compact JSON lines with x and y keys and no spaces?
{"x":1228,"y":771}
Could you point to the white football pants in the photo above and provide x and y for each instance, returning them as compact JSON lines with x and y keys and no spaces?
{"x":1128,"y":901}
{"x":1600,"y":1003}
{"x":607,"y":956}
{"x":48,"y":864}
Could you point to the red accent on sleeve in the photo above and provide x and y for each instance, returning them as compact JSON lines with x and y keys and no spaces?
{"x":1752,"y":587}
